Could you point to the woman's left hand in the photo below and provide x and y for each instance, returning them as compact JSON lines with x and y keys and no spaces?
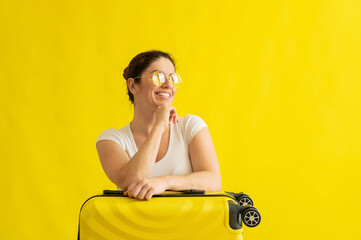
{"x":173,"y":116}
{"x":145,"y":188}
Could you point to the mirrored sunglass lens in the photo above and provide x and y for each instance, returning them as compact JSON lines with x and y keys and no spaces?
{"x":161,"y":78}
{"x":155,"y":78}
{"x":158,"y":78}
{"x":176,"y":79}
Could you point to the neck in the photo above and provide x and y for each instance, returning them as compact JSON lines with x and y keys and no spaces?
{"x":143,"y":120}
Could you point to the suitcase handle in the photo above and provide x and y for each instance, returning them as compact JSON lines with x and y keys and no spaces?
{"x":189,"y":191}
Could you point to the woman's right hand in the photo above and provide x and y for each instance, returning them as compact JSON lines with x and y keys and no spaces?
{"x":166,"y":114}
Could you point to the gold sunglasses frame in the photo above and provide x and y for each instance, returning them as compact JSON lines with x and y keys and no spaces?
{"x":158,"y":79}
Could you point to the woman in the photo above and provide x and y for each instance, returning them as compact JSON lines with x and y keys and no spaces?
{"x":157,"y":150}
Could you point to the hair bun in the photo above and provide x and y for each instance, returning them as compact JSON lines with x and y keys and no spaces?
{"x":125,"y":73}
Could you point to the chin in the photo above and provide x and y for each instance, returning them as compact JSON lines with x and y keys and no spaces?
{"x":164,"y":102}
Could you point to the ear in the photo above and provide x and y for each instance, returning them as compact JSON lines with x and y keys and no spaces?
{"x":132,"y":86}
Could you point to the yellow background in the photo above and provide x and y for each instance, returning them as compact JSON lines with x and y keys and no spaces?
{"x":277,"y":82}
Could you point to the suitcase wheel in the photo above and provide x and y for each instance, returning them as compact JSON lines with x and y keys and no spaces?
{"x":244,"y":199}
{"x":251,"y":217}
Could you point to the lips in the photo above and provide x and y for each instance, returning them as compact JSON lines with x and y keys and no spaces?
{"x":166,"y":95}
{"x":163,"y":94}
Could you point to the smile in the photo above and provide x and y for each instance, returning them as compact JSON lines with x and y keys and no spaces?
{"x":167,"y":95}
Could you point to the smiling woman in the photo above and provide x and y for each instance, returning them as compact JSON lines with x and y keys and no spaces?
{"x":158,"y":150}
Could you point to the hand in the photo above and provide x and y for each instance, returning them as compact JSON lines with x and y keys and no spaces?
{"x":165,"y":115}
{"x":145,"y":188}
{"x":173,"y":116}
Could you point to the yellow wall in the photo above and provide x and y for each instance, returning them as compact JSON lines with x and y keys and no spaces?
{"x":277,"y":82}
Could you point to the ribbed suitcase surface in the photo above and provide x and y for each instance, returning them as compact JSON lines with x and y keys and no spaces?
{"x":168,"y":216}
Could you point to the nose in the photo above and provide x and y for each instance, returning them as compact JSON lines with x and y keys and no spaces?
{"x":167,"y":83}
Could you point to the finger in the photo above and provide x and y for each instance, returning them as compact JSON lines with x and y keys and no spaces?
{"x":129,"y":194}
{"x":174,"y":115}
{"x":176,"y":118}
{"x":143,"y":192}
{"x":171,"y":117}
{"x":130,"y":188}
{"x":172,"y":110}
{"x":135,"y":191}
{"x":149,"y":194}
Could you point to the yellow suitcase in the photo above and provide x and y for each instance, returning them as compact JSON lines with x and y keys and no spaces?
{"x":189,"y":214}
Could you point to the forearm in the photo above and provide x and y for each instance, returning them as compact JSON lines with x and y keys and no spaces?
{"x":202,"y":180}
{"x":141,"y":164}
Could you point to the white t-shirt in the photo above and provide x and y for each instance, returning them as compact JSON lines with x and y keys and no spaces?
{"x":176,"y":161}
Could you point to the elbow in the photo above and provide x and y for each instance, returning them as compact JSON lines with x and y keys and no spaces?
{"x":216,"y":185}
{"x":216,"y":188}
{"x":219,"y":186}
{"x":123,"y":183}
{"x":119,"y":179}
{"x":126,"y":177}
{"x":125,"y":180}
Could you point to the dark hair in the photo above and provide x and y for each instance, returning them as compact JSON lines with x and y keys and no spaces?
{"x":139,"y":63}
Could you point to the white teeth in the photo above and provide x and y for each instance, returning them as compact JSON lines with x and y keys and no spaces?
{"x":164,"y":94}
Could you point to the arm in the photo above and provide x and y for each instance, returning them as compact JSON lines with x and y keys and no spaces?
{"x":123,"y":171}
{"x":119,"y":168}
{"x":206,"y":175}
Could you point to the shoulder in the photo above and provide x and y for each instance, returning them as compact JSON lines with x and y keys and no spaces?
{"x":111,"y":132}
{"x":190,"y":126}
{"x":191,"y":119}
{"x":115,"y":135}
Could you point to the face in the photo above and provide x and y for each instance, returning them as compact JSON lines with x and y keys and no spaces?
{"x":146,"y":92}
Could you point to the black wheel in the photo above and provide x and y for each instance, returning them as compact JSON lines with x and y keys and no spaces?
{"x":244,"y":199}
{"x":251,"y":217}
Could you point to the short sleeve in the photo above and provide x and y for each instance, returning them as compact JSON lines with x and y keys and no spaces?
{"x":191,"y":126}
{"x":110,"y":134}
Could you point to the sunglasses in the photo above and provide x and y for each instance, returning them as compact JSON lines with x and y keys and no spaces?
{"x":159,"y":78}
